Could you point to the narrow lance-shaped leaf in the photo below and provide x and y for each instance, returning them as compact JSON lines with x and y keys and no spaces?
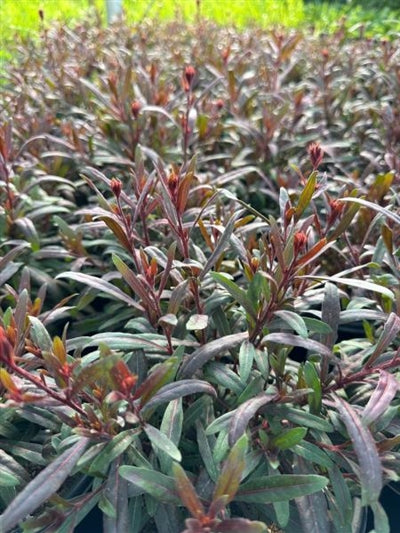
{"x":118,"y":230}
{"x":159,"y":486}
{"x":229,"y":479}
{"x":117,"y":494}
{"x":222,"y":243}
{"x":187,"y":492}
{"x":381,"y":398}
{"x":381,"y":520}
{"x":306,"y":195}
{"x":295,"y":321}
{"x":312,"y":508}
{"x":42,"y":487}
{"x":288,"y":438}
{"x":206,"y":352}
{"x":358,"y":283}
{"x":160,"y":441}
{"x":269,"y":489}
{"x":159,"y":377}
{"x":389,"y":333}
{"x":236,"y":292}
{"x":247,"y":353}
{"x":331,"y":312}
{"x":101,"y":285}
{"x":244,"y":413}
{"x":112,"y":450}
{"x":344,"y":223}
{"x":376,"y":207}
{"x":171,"y":426}
{"x":40,"y":335}
{"x":178,"y":389}
{"x":366,"y":452}
{"x":294,"y":340}
{"x":133,"y":281}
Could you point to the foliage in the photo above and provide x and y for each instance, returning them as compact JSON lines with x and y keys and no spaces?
{"x":199,"y":280}
{"x":322,"y":16}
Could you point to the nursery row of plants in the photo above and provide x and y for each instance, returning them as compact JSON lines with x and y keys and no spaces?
{"x":199,"y":280}
{"x":316,"y":15}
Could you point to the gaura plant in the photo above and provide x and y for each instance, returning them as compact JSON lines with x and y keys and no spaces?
{"x":194,"y":335}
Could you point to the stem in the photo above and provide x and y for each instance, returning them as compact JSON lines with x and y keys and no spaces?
{"x":42,"y":386}
{"x":362,"y":374}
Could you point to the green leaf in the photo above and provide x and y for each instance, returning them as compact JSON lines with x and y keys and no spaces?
{"x":243,"y":414}
{"x":223,"y":375}
{"x":246,"y":358}
{"x":157,"y":485}
{"x":301,"y":418}
{"x":313,"y":513}
{"x":161,"y":442}
{"x":376,"y":207}
{"x":313,"y":381}
{"x":345,"y":221}
{"x":168,"y":320}
{"x":7,"y":478}
{"x":381,"y":398}
{"x":295,"y":321}
{"x":42,"y":487}
{"x":93,"y":372}
{"x":236,"y":292}
{"x":259,"y":290}
{"x":294,"y":340}
{"x":101,"y":285}
{"x":221,"y":245}
{"x":205,"y":452}
{"x":342,"y":505}
{"x":206,"y":352}
{"x":306,"y":195}
{"x":312,"y":453}
{"x":40,"y":335}
{"x":132,"y":280}
{"x":231,"y":474}
{"x":197,"y":322}
{"x":288,"y":438}
{"x":370,"y":472}
{"x":269,"y":489}
{"x":358,"y":283}
{"x":112,"y":450}
{"x":27,"y":228}
{"x":381,"y":521}
{"x":179,"y":389}
{"x":389,"y":333}
{"x":159,"y":376}
{"x":331,"y":313}
{"x":171,"y":426}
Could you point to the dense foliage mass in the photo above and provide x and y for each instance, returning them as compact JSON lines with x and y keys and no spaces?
{"x":199,"y":280}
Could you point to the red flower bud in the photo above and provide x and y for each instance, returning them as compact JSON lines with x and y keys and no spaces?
{"x":316,"y":154}
{"x":41,"y":14}
{"x":116,"y":187}
{"x":188,"y":76}
{"x":300,"y":242}
{"x":336,"y":210}
{"x":172,"y":182}
{"x":135,"y":108}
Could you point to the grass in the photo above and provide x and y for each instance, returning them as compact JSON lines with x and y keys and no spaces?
{"x":21,"y":17}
